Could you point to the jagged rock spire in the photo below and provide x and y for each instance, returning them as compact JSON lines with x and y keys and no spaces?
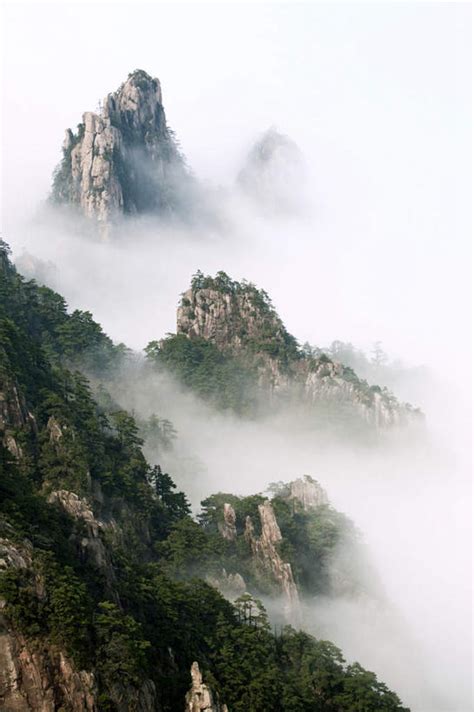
{"x":200,"y":697}
{"x":122,"y":159}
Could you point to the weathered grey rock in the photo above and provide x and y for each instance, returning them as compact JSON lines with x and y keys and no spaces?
{"x":91,"y":544}
{"x":14,"y":415}
{"x":219,"y":315}
{"x":240,"y":320}
{"x":123,"y":159}
{"x":227,"y":527}
{"x":308,"y":493}
{"x":14,"y":555}
{"x":267,"y":557}
{"x":43,"y":678}
{"x":200,"y":697}
{"x":40,"y":680}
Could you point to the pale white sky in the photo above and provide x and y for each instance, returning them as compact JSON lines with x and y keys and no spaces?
{"x":377,"y":95}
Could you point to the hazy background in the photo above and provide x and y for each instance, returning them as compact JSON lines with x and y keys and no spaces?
{"x":377,"y":96}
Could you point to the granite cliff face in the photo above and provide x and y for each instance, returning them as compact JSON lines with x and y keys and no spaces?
{"x":91,"y":542}
{"x":227,"y":527}
{"x":241,"y":321}
{"x":36,"y":677}
{"x":263,"y":536}
{"x":307,"y":493}
{"x":122,"y":159}
{"x":237,"y":317}
{"x":36,"y":673}
{"x":43,"y":680}
{"x":268,"y":559}
{"x":14,"y":414}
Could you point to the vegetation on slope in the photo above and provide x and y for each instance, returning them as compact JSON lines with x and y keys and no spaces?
{"x":138,"y":615}
{"x":233,"y":350}
{"x":200,"y":366}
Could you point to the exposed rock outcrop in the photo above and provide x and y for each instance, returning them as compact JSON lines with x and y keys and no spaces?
{"x":37,"y":675}
{"x":123,"y":159}
{"x":267,"y":556}
{"x":91,"y":543}
{"x":12,"y":554}
{"x":42,"y":679}
{"x":236,"y":317}
{"x":241,"y":321}
{"x":227,"y":527}
{"x":54,"y":429}
{"x":308,"y":493}
{"x":200,"y":697}
{"x":39,"y":678}
{"x":14,"y":415}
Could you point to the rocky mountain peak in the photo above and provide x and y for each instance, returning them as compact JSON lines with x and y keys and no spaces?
{"x":267,"y":556}
{"x":123,"y":158}
{"x":308,"y":493}
{"x":241,"y":322}
{"x":236,"y":316}
{"x":140,"y":94}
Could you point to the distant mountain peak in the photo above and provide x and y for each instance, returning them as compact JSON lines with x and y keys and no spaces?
{"x":269,"y":143}
{"x":274,"y":172}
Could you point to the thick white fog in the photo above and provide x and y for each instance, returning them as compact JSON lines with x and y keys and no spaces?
{"x":377,"y":97}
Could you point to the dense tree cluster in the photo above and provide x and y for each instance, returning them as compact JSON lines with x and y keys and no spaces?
{"x":201,"y":366}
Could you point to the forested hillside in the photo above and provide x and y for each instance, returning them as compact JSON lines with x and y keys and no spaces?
{"x":108,"y":583}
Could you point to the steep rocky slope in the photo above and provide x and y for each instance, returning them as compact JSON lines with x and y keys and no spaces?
{"x":234,"y":332}
{"x":285,"y":547}
{"x":124,"y":158}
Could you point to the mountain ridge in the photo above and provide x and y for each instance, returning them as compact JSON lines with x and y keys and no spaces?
{"x":226,"y":327}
